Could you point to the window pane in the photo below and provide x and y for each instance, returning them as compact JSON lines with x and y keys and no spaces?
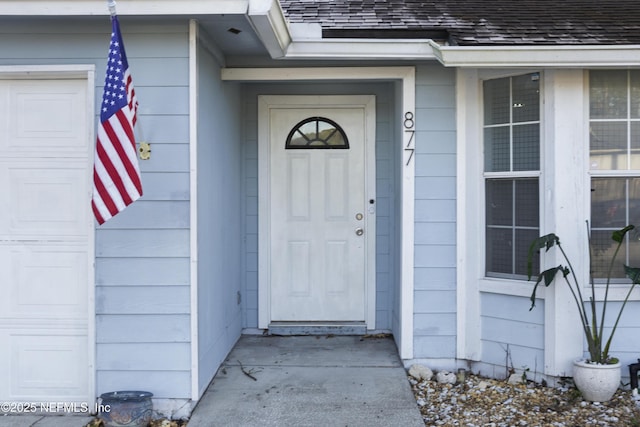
{"x":608,"y":145}
{"x":526,"y":98}
{"x":496,"y":101}
{"x":608,"y":202}
{"x":496,"y":149}
{"x":499,"y":206}
{"x":527,"y":207}
{"x":317,"y":132}
{"x":635,"y":94}
{"x":526,"y":147}
{"x":633,"y":258}
{"x":635,"y":145}
{"x":615,"y":202}
{"x":522,"y":243}
{"x":508,"y":238}
{"x":602,"y":248}
{"x":510,"y":145}
{"x":608,"y":94}
{"x":335,"y":138}
{"x":499,"y":250}
{"x":633,"y":185}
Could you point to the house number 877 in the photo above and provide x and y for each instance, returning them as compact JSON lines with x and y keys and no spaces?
{"x":409,"y":130}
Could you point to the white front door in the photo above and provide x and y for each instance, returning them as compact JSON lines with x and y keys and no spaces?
{"x":321,"y":209}
{"x":44,"y":241}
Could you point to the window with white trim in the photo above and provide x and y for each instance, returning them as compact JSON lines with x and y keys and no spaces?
{"x":511,"y":172}
{"x":614,"y":163}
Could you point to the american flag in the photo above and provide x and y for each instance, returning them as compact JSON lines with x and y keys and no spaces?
{"x":116,"y":174}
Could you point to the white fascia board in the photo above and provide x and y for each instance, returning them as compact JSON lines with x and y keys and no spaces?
{"x":537,"y":56}
{"x":320,"y":73}
{"x":267,"y":18}
{"x":128,"y":7}
{"x":398,"y":49}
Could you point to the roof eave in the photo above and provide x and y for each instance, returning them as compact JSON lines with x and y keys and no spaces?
{"x":363,"y":49}
{"x":270,"y":24}
{"x":129,"y":7}
{"x":557,"y":56}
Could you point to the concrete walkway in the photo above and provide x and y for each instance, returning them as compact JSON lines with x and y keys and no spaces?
{"x":295,"y":381}
{"x":43,"y":420}
{"x":309,"y":381}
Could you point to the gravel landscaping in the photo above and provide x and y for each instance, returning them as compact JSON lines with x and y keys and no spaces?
{"x":485,"y":402}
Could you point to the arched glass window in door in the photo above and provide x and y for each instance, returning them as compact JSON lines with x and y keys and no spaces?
{"x":317,"y":132}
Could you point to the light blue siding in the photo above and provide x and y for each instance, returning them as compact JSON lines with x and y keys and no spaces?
{"x":120,"y":243}
{"x":435,"y":214}
{"x":159,"y":214}
{"x":435,"y":278}
{"x":142,"y":300}
{"x":434,"y":346}
{"x":158,"y":129}
{"x":385,"y":197}
{"x":143,"y":271}
{"x":435,"y":324}
{"x":134,"y":356}
{"x":147,"y":328}
{"x":511,"y":335}
{"x":166,"y":186}
{"x":219,"y":217}
{"x":142,"y":275}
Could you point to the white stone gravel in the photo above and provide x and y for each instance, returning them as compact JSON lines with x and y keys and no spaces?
{"x":493,"y":403}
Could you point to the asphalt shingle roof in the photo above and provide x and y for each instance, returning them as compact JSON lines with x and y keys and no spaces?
{"x":478,"y":22}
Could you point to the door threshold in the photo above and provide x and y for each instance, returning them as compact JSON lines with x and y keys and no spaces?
{"x":317,"y":328}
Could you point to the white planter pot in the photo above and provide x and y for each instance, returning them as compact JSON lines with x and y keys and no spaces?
{"x":597,"y":383}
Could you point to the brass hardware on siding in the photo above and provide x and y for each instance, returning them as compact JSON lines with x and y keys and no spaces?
{"x":145,"y":151}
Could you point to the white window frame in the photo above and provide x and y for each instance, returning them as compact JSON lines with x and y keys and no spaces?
{"x":560,"y":89}
{"x":617,"y":291}
{"x":511,"y":174}
{"x":565,"y":196}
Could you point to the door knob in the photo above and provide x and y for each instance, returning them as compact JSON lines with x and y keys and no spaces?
{"x":359,"y":231}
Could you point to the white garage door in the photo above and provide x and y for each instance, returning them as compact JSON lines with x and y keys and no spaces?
{"x":44,"y":240}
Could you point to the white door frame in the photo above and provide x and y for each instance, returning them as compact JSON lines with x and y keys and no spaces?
{"x":406,"y":105}
{"x":87,"y":72}
{"x":265,"y":104}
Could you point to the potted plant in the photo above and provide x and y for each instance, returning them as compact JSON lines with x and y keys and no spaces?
{"x":597,"y":377}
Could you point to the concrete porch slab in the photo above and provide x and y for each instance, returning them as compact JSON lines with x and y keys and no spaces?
{"x":309,"y":381}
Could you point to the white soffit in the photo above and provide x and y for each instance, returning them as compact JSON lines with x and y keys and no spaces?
{"x":124,"y":7}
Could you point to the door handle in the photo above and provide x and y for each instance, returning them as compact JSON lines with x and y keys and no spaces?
{"x":359,"y":231}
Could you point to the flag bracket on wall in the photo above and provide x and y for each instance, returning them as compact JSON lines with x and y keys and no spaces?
{"x":144,"y":150}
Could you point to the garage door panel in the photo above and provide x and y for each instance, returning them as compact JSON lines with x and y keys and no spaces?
{"x":48,"y":366}
{"x":46,"y":146}
{"x":42,"y":198}
{"x":44,"y":116}
{"x":44,"y":281}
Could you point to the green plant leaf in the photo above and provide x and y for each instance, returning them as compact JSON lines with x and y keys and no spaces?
{"x":546,"y":241}
{"x":632,"y":273}
{"x":547,"y":277}
{"x":618,"y":235}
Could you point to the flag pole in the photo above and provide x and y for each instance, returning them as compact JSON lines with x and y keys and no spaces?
{"x":112,"y":7}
